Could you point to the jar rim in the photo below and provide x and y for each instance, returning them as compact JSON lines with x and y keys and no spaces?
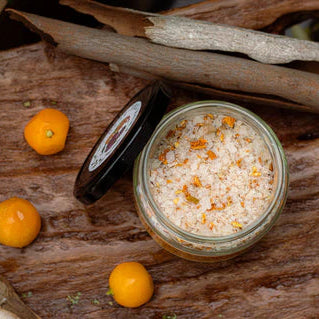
{"x":274,"y":144}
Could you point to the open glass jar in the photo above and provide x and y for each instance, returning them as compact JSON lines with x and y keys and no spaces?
{"x":208,"y":248}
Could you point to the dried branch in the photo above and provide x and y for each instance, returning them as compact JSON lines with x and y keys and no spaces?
{"x":201,"y":35}
{"x":209,"y":69}
{"x":231,"y":96}
{"x":198,"y":35}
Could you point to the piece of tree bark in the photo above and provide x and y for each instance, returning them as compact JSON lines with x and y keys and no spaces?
{"x":125,"y":21}
{"x":79,"y":246}
{"x":250,"y":14}
{"x":192,"y":34}
{"x":215,"y":70}
{"x":11,"y":302}
{"x":235,"y":97}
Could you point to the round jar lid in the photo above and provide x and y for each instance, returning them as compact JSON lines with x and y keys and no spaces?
{"x":122,"y":141}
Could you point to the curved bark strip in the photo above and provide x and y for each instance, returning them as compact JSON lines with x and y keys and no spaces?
{"x":250,"y":14}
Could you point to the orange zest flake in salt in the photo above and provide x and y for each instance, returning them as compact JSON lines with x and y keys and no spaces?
{"x":178,"y":192}
{"x":184,"y":162}
{"x":171,"y":133}
{"x":247,"y":139}
{"x":196,"y":181}
{"x":230,"y":121}
{"x":208,"y":116}
{"x":214,"y":207}
{"x":199,"y":124}
{"x":168,"y":181}
{"x":259,"y":160}
{"x":254,"y":172}
{"x":242,"y":204}
{"x":162,"y":156}
{"x":239,"y":162}
{"x":198,"y":156}
{"x":182,"y":125}
{"x":199,"y":144}
{"x":220,"y":134}
{"x":271,"y":167}
{"x":188,"y":196}
{"x":211,"y":225}
{"x":211,"y":155}
{"x":203,"y":218}
{"x":229,"y":201}
{"x":236,"y":224}
{"x":176,"y":200}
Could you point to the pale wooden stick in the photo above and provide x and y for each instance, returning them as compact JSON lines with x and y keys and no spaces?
{"x":210,"y":69}
{"x":192,"y":34}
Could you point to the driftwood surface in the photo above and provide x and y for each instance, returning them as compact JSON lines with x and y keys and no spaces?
{"x":209,"y":69}
{"x":78,"y":246}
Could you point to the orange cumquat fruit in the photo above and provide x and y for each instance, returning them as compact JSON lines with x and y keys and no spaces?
{"x":131,"y":284}
{"x":46,"y":132}
{"x":20,"y":222}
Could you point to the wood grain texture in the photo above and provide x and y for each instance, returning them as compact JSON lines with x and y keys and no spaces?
{"x":193,"y":34}
{"x":10,"y":301}
{"x":78,"y":246}
{"x":205,"y":68}
{"x":250,"y":14}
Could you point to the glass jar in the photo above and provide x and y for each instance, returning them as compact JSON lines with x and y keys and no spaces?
{"x":208,"y":248}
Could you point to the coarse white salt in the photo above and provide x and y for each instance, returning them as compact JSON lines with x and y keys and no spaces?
{"x":212,"y":175}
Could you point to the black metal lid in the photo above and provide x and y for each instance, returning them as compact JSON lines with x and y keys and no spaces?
{"x":122,"y":141}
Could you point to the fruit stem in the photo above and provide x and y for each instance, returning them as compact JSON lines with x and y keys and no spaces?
{"x":49,"y":133}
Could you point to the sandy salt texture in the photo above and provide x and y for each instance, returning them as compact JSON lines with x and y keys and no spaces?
{"x":212,"y":175}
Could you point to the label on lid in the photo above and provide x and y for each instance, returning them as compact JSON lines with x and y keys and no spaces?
{"x":115,"y":135}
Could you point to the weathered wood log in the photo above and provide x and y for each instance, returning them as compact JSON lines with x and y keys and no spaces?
{"x":79,"y":246}
{"x":11,"y":302}
{"x":216,"y":70}
{"x":231,"y":96}
{"x":192,"y":34}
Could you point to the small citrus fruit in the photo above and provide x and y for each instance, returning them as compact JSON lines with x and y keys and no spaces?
{"x":46,"y":132}
{"x":131,"y":284}
{"x":20,"y":222}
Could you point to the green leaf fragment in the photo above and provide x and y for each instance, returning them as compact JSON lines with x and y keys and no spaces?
{"x":95,"y":302}
{"x":27,"y":294}
{"x":27,"y":104}
{"x":74,"y":300}
{"x":170,"y":316}
{"x":109,"y":292}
